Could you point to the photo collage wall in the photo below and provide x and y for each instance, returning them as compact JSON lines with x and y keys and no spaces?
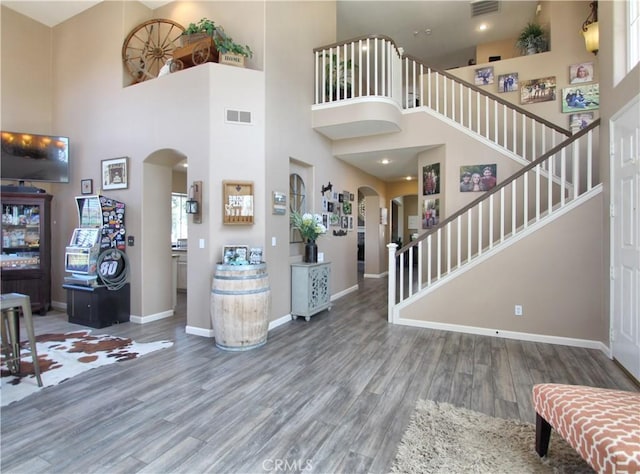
{"x":579,"y":99}
{"x":337,"y":211}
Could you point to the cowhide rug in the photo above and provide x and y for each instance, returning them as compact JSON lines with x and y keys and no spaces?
{"x":61,"y":356}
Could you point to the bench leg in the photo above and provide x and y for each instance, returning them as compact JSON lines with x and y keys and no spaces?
{"x":543,"y":434}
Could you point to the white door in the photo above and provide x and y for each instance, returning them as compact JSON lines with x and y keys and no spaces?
{"x":625,"y":237}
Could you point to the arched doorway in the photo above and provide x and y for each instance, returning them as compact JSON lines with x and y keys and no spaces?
{"x":372,"y":234}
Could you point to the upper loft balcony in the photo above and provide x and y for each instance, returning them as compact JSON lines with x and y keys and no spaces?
{"x":358,"y":86}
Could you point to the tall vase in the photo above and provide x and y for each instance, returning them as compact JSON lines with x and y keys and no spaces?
{"x":311,"y":251}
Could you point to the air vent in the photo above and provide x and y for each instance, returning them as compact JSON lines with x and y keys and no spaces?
{"x":238,"y":116}
{"x":482,"y":7}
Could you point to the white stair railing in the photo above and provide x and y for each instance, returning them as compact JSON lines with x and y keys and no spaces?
{"x":500,"y":214}
{"x":503,"y":123}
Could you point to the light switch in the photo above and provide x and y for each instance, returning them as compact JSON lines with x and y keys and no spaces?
{"x":201,"y":243}
{"x":273,"y":241}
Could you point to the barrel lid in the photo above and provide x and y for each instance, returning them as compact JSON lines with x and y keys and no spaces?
{"x":227,"y":267}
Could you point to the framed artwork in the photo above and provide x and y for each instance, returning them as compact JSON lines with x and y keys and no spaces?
{"x":86,"y":186}
{"x":508,"y":82}
{"x":538,"y":90}
{"x":484,"y":76}
{"x":115,"y":173}
{"x":235,"y":254}
{"x":279,"y":203}
{"x":334,"y":220}
{"x":430,"y":213}
{"x":344,"y":222}
{"x":237,"y":202}
{"x":351,"y":197}
{"x":580,"y":73}
{"x":475,"y":178}
{"x":255,"y":255}
{"x":350,"y":222}
{"x":325,"y":204}
{"x":578,"y":99}
{"x":340,"y":197}
{"x":580,"y":121}
{"x":431,"y":179}
{"x":346,"y":207}
{"x":325,"y":220}
{"x":330,"y":206}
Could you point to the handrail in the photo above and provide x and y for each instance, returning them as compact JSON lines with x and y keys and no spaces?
{"x":498,"y":187}
{"x":498,"y":99}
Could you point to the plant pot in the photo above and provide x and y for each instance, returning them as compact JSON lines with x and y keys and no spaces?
{"x":311,"y":252}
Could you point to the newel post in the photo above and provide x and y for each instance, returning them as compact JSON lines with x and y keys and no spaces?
{"x":392,"y":280}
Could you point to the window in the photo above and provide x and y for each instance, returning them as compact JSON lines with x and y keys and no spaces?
{"x":178,"y":217}
{"x":297,"y":201}
{"x":633,"y":33}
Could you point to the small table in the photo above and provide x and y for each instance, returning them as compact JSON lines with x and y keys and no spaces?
{"x":10,"y":339}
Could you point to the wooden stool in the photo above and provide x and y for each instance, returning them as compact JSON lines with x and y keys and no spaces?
{"x":10,"y":303}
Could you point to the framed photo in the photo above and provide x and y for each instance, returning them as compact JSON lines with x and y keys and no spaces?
{"x":484,"y":76}
{"x":538,"y":90}
{"x":431,"y":179}
{"x":325,"y":220}
{"x":346,"y":207}
{"x":580,"y":121}
{"x":255,"y":256}
{"x":581,"y":98}
{"x":279,"y":203}
{"x":115,"y":173}
{"x":350,"y":222}
{"x":508,"y":82}
{"x":86,"y":186}
{"x":330,"y":206}
{"x":580,"y":73}
{"x":475,"y":178}
{"x":235,"y":253}
{"x":430,"y":213}
{"x":340,"y":197}
{"x":344,"y":222}
{"x":237,"y":202}
{"x":351,"y":197}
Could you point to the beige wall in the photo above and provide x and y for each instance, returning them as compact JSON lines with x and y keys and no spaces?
{"x":544,"y":272}
{"x":505,"y":49}
{"x":567,"y":48}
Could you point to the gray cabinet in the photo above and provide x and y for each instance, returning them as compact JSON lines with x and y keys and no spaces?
{"x":182,"y":271}
{"x":310,"y":289}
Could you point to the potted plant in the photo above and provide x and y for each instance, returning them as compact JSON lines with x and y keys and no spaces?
{"x":335,"y":77}
{"x":532,"y":39}
{"x":197,"y":31}
{"x":231,"y":52}
{"x":310,"y":227}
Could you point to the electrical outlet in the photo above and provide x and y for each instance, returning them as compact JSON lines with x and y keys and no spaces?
{"x":518,"y":310}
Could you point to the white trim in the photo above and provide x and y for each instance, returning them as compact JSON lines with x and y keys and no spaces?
{"x":151,"y":318}
{"x":344,"y":293}
{"x":499,"y":247}
{"x":279,"y":322}
{"x":375,"y":275}
{"x":356,"y":100}
{"x":199,"y":331}
{"x":521,"y":336}
{"x":59,"y":306}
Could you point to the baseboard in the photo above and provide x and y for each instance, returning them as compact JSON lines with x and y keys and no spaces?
{"x":374,"y":275}
{"x":279,"y":322}
{"x":59,"y":306}
{"x":521,"y":336}
{"x":151,"y":317}
{"x":344,"y":293}
{"x":199,"y":331}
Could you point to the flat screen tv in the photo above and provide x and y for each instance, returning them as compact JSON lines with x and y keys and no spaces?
{"x":31,"y":157}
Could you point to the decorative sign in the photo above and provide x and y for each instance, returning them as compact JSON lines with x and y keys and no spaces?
{"x":237,"y":202}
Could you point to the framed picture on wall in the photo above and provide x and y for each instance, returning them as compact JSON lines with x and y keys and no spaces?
{"x":115,"y":173}
{"x":538,"y":90}
{"x":579,"y":73}
{"x":581,"y":98}
{"x":508,"y":82}
{"x":484,"y":76}
{"x":431,"y":179}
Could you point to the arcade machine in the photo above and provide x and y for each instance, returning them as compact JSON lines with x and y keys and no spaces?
{"x":98,"y":294}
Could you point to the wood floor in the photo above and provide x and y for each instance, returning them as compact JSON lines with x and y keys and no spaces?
{"x":331,"y":395}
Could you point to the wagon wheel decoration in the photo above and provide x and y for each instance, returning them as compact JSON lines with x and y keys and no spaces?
{"x":176,"y":65}
{"x":201,"y":52}
{"x":149,"y":46}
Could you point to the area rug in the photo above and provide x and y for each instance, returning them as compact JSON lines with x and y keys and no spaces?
{"x":62,"y":356}
{"x":442,"y":438}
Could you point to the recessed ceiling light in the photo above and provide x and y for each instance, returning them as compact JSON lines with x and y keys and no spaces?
{"x":483,"y":27}
{"x":385,"y":161}
{"x":408,"y":178}
{"x":185,"y":165}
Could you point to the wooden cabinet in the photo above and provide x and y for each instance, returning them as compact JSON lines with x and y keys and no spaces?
{"x":182,"y":271}
{"x":26,"y":247}
{"x":98,"y":306}
{"x":310,"y":289}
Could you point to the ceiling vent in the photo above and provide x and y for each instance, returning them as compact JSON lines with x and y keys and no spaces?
{"x":482,"y":7}
{"x":238,"y":116}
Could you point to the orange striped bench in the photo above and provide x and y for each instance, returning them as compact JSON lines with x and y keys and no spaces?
{"x":602,"y":425}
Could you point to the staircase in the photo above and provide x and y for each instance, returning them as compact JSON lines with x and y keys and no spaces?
{"x":558,"y":171}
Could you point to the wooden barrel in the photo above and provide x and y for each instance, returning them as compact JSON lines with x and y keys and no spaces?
{"x":240,"y":306}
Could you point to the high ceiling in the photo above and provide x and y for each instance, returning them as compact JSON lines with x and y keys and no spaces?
{"x":441,"y":33}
